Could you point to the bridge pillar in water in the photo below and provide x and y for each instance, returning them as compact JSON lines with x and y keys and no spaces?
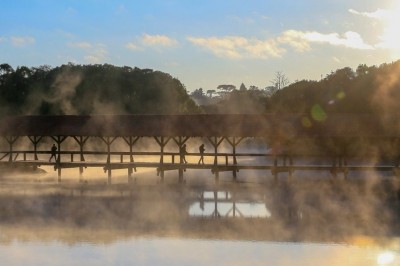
{"x":234,"y":142}
{"x":339,"y":162}
{"x":180,"y":141}
{"x":35,"y":141}
{"x":162,"y":141}
{"x":130,"y":141}
{"x":215,"y":142}
{"x":81,"y":142}
{"x":108,"y":141}
{"x":58,"y":140}
{"x":10,"y":140}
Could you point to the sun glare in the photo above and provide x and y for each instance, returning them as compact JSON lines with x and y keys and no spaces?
{"x":391,"y":35}
{"x":385,"y":258}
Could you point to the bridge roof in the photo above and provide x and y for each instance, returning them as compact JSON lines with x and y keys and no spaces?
{"x":269,"y":125}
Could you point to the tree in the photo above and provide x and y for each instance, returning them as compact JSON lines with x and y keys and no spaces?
{"x":270,"y":90}
{"x":199,"y":97}
{"x":253,"y":88}
{"x":279,"y":81}
{"x":226,"y":87}
{"x":362,"y":69}
{"x":242,"y":87}
{"x":5,"y":69}
{"x":210,"y":93}
{"x":91,"y":89}
{"x":197,"y":93}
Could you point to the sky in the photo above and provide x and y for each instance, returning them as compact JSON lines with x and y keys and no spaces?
{"x":203,"y":43}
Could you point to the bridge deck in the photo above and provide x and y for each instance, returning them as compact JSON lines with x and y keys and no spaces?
{"x":210,"y":166}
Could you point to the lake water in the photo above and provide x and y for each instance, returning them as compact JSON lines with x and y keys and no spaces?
{"x":301,"y":222}
{"x":177,"y":251}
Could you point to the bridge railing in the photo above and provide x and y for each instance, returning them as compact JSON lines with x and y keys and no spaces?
{"x":122,"y":154}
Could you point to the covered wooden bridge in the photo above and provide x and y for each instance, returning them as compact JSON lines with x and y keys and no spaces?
{"x":287,"y":135}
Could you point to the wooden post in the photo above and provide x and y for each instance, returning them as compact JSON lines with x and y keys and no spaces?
{"x":81,"y":142}
{"x":397,"y":159}
{"x":215,"y":142}
{"x":108,"y":141}
{"x":276,"y":150}
{"x":343,"y":161}
{"x":234,"y":142}
{"x":216,"y":213}
{"x":58,"y":140}
{"x":35,"y":141}
{"x":180,"y":141}
{"x":11,"y":140}
{"x":130,"y":141}
{"x":288,"y":156}
{"x":162,"y":141}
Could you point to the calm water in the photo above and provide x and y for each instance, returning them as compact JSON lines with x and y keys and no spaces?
{"x":290,"y":223}
{"x":175,"y":251}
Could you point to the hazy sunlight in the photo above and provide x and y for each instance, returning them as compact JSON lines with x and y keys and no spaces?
{"x":391,"y":36}
{"x":385,"y":258}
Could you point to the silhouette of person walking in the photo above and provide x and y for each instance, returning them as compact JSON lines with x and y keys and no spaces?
{"x":53,"y":153}
{"x":183,"y":153}
{"x":201,"y":150}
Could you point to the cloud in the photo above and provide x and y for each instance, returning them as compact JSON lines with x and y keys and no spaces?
{"x":350,"y":39}
{"x":157,"y":40}
{"x":97,"y":55}
{"x":96,"y":52}
{"x":22,"y":41}
{"x":301,"y":40}
{"x":2,"y":39}
{"x":389,"y":38}
{"x":81,"y":45}
{"x":133,"y":46}
{"x":378,"y":14}
{"x":235,"y":47}
{"x":295,"y":39}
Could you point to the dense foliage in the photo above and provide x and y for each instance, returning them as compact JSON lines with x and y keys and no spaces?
{"x":107,"y":89}
{"x":91,"y":89}
{"x":367,"y":90}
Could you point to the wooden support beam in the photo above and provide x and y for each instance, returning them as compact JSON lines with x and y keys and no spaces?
{"x":180,"y":141}
{"x":215,"y":142}
{"x":81,"y":140}
{"x":58,"y":140}
{"x":35,"y":141}
{"x":130,"y":141}
{"x":234,"y":142}
{"x":162,"y":141}
{"x":108,"y":141}
{"x":11,"y":140}
{"x":4,"y":156}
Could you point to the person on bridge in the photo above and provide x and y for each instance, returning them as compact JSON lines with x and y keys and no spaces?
{"x":201,"y":150}
{"x":53,"y":153}
{"x":183,"y":153}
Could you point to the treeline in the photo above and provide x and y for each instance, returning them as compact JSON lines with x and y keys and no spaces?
{"x":365,"y":90}
{"x":107,"y":89}
{"x":91,"y":89}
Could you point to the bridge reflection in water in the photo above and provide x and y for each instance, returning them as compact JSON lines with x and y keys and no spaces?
{"x":340,"y":144}
{"x":317,"y":211}
{"x":225,"y":204}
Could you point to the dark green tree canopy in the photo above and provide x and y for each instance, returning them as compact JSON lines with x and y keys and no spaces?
{"x":91,"y":89}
